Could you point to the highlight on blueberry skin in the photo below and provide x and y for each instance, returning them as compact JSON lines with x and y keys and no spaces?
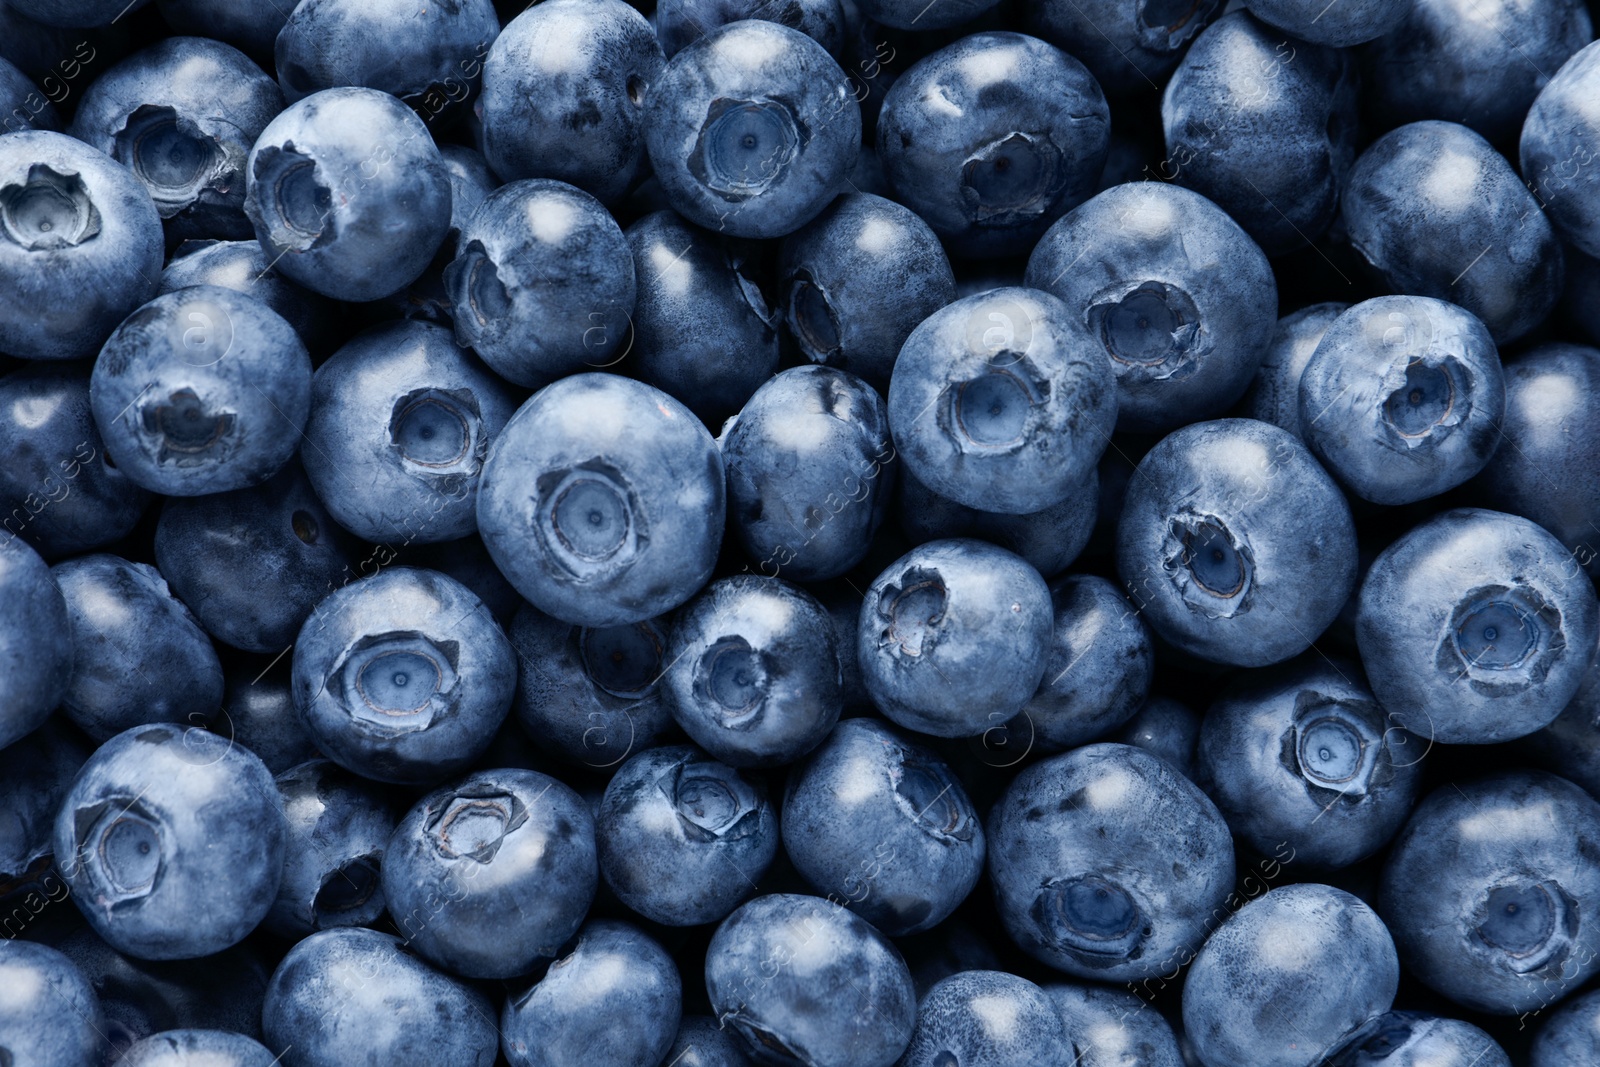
{"x":404,"y":676}
{"x":1562,"y":117}
{"x":36,"y":648}
{"x":1002,"y":401}
{"x":1476,"y":627}
{"x":182,"y":115}
{"x":844,"y":998}
{"x":1109,"y":1027}
{"x":1305,"y":757}
{"x":984,"y":1017}
{"x":79,"y":235}
{"x":877,"y":822}
{"x":1247,"y":999}
{"x":1179,"y":297}
{"x":348,"y":194}
{"x":673,"y":826}
{"x":1414,"y":1039}
{"x":811,"y":472}
{"x":1224,"y":524}
{"x":1033,"y":133}
{"x":954,"y":637}
{"x":341,"y":996}
{"x":184,"y":1048}
{"x":626,"y":508}
{"x":1274,"y":394}
{"x":564,"y":90}
{"x":401,"y":422}
{"x":201,"y":391}
{"x":50,"y":1015}
{"x":172,"y":839}
{"x":1569,"y":1034}
{"x":338,"y":828}
{"x":1492,"y":891}
{"x":489,"y":874}
{"x":613,"y":997}
{"x":1435,"y":211}
{"x":1128,"y":47}
{"x":751,"y":129}
{"x":1107,"y":864}
{"x":543,"y":282}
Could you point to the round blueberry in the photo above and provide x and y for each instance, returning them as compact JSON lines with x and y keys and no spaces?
{"x":1163,"y":727}
{"x":1274,"y":395}
{"x":985,"y":1018}
{"x":242,"y":266}
{"x":1412,"y":1039}
{"x":1560,"y":122}
{"x":1113,"y":1027}
{"x":194,"y":1048}
{"x":1570,"y":1035}
{"x":49,"y":1015}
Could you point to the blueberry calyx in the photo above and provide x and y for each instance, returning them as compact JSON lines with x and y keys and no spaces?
{"x":1530,"y":924}
{"x":1502,"y":638}
{"x":589,"y":520}
{"x":995,"y":410}
{"x":439,"y":431}
{"x":927,"y":795}
{"x":346,"y":889}
{"x":1211,"y":568}
{"x":186,"y":430}
{"x":176,"y":160}
{"x":811,"y":313}
{"x":1151,"y":326}
{"x":296,"y":205}
{"x":914,"y":609}
{"x":1012,"y":180}
{"x":731,"y":679}
{"x":473,"y":282}
{"x":49,"y":211}
{"x":1425,"y":399}
{"x":1164,"y":25}
{"x":472,"y":824}
{"x":1090,"y":916}
{"x":713,"y":801}
{"x":1335,"y":747}
{"x":744,"y":146}
{"x":119,"y":844}
{"x":625,"y":661}
{"x":396,"y":683}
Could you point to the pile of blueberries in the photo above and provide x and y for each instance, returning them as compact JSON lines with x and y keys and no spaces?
{"x":814,"y":533}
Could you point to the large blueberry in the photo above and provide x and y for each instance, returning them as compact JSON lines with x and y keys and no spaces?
{"x":79,"y":235}
{"x":614,"y":998}
{"x":345,"y":996}
{"x":602,"y":501}
{"x":1413,"y":1039}
{"x":1492,"y":891}
{"x":22,"y":105}
{"x":173,"y":841}
{"x":1570,"y":1035}
{"x":1237,"y":546}
{"x":1476,"y":627}
{"x":338,"y":826}
{"x":1287,"y":978}
{"x":404,"y":676}
{"x":1560,"y":139}
{"x":49,"y":1014}
{"x":1107,"y":863}
{"x":671,"y":828}
{"x":954,"y":637}
{"x":1178,"y":296}
{"x":992,"y":139}
{"x":197,"y":1048}
{"x":1049,"y":539}
{"x":987,"y":1019}
{"x":1274,"y":395}
{"x":703,"y":1042}
{"x":842,"y":998}
{"x":201,"y":391}
{"x":36,"y":645}
{"x":881,"y":825}
{"x":1002,"y":401}
{"x":751,"y":129}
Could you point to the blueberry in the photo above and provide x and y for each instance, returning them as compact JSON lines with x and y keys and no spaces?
{"x":429,"y":56}
{"x":1492,"y":891}
{"x":1113,"y":1028}
{"x":1274,"y":395}
{"x":681,"y":22}
{"x":1476,"y":627}
{"x":348,"y":194}
{"x":1412,"y":1039}
{"x":173,"y":841}
{"x":1049,"y":539}
{"x":58,"y":488}
{"x":590,"y":696}
{"x":197,"y":1048}
{"x":614,"y":998}
{"x":843,"y":998}
{"x":1303,"y":757}
{"x":471,"y":182}
{"x":1002,"y":401}
{"x":242,"y":267}
{"x":751,"y":129}
{"x":1130,"y":48}
{"x":992,"y":139}
{"x":401,"y":420}
{"x":1107,"y":863}
{"x":1100,"y":667}
{"x":1264,"y":125}
{"x":1252,"y":998}
{"x":242,"y":23}
{"x":1235,"y":544}
{"x":954,"y":637}
{"x":343,"y":996}
{"x":701,"y":329}
{"x":810,"y":473}
{"x":1439,"y":64}
{"x":404,"y":676}
{"x":258,"y":712}
{"x":201,"y":391}
{"x":78,"y":235}
{"x":673,"y":825}
{"x":50,"y":1016}
{"x":703,"y":1042}
{"x":857,"y":279}
{"x":489,"y":874}
{"x":1179,"y":297}
{"x":36,"y":646}
{"x":1339,"y":26}
{"x":1570,"y":1035}
{"x":338,"y":828}
{"x":1163,"y":727}
{"x":182,"y":116}
{"x":251,"y":564}
{"x":986,"y":1019}
{"x":881,"y":825}
{"x":35,"y":774}
{"x":564,"y":89}
{"x":1570,"y":745}
{"x":1557,"y":136}
{"x":1436,"y":212}
{"x":22,"y":104}
{"x":1542,"y":469}
{"x":543,"y":283}
{"x":626,"y":507}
